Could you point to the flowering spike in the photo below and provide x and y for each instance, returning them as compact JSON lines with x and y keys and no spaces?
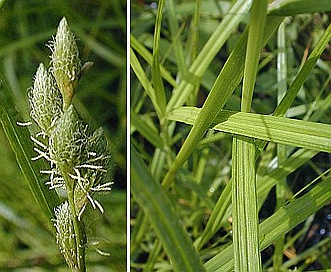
{"x":68,"y":140}
{"x":45,"y":100}
{"x":65,"y":234}
{"x":77,"y":156}
{"x":66,"y":65}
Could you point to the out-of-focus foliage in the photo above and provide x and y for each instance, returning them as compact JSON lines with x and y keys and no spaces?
{"x":100,"y":28}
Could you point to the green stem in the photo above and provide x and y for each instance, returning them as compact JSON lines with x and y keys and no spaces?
{"x":78,"y":226}
{"x":244,"y":197}
{"x":244,"y":206}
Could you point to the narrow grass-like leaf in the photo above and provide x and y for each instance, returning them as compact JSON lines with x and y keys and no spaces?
{"x":138,"y":232}
{"x":306,"y":134}
{"x":254,"y":43}
{"x":265,"y":183}
{"x":303,"y":73}
{"x":310,"y":255}
{"x":153,"y":200}
{"x":19,"y":138}
{"x":141,"y":75}
{"x":244,"y":206}
{"x":292,"y":7}
{"x":192,"y":48}
{"x":228,"y":24}
{"x":216,"y":216}
{"x":147,"y":56}
{"x":281,"y":149}
{"x":152,"y":258}
{"x":279,"y":223}
{"x":156,"y":71}
{"x":281,"y":62}
{"x":145,"y":130}
{"x":299,"y":80}
{"x":194,"y":33}
{"x":158,"y":161}
{"x":174,"y":30}
{"x":225,"y":84}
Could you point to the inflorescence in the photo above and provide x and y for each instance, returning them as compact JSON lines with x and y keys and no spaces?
{"x":78,"y":157}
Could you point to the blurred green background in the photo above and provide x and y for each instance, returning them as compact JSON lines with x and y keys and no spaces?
{"x":26,"y":235}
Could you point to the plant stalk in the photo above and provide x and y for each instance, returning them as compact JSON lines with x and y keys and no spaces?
{"x":80,"y":237}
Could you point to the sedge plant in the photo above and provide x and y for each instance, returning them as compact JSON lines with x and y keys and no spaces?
{"x":212,"y":139}
{"x":78,"y":158}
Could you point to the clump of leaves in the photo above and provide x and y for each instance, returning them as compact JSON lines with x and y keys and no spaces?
{"x":214,"y":180}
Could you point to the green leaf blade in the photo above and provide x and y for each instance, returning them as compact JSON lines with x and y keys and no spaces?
{"x":279,"y":223}
{"x":163,"y":218}
{"x":244,"y":206}
{"x":19,"y":139}
{"x":305,"y":134}
{"x":292,"y":7}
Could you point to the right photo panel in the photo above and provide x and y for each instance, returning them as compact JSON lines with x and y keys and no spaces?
{"x":229,"y":132}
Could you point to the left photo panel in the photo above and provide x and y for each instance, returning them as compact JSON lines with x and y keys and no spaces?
{"x":63,"y":122}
